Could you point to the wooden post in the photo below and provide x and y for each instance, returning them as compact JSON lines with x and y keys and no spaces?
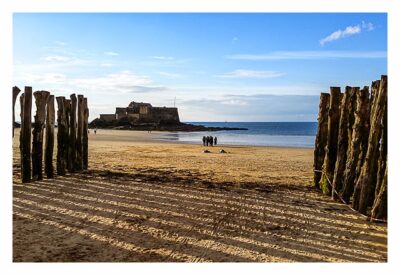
{"x":16,"y":91}
{"x":79,"y":137}
{"x":67,"y":108}
{"x":62,"y":136}
{"x":331,"y":147}
{"x":49,"y":145}
{"x":41,"y":98}
{"x":357,"y":143}
{"x":382,"y":162}
{"x":366,"y":184}
{"x":25,"y":135}
{"x":85,"y":135}
{"x":72,"y":135}
{"x":321,"y":138}
{"x":379,"y":209}
{"x":344,"y":136}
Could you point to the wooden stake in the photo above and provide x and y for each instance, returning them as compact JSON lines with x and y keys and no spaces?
{"x":379,"y":208}
{"x":62,"y":136}
{"x":72,"y":135}
{"x":366,"y":184}
{"x":321,"y":138}
{"x":41,"y":98}
{"x":331,"y":147}
{"x":25,"y":135}
{"x":344,"y":136}
{"x":49,"y":145}
{"x":357,"y":143}
{"x":85,"y":135}
{"x":79,"y":137}
{"x":16,"y":91}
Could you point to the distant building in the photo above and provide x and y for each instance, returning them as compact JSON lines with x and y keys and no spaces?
{"x":143,"y":113}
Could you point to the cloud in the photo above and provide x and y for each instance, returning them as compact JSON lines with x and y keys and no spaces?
{"x":251,"y":74}
{"x":107,"y":65}
{"x":348,"y":31}
{"x":162,"y":57}
{"x":111,"y":53}
{"x":147,"y":89}
{"x":60,"y":43}
{"x":245,"y":107}
{"x":234,"y":40}
{"x":57,"y":58}
{"x":309,"y":55}
{"x":170,"y":75}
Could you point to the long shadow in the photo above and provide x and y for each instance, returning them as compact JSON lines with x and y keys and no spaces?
{"x":343,"y":256}
{"x":287,"y":213}
{"x":196,"y":181}
{"x":341,"y":225}
{"x":94,"y":233}
{"x":202,"y":211}
{"x":151,"y":235}
{"x":239,"y":244}
{"x":184,"y":226}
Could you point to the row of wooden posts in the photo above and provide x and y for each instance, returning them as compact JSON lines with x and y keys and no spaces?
{"x":72,"y":134}
{"x":350,"y":156}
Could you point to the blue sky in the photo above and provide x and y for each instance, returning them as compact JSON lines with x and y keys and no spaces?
{"x":234,"y":67}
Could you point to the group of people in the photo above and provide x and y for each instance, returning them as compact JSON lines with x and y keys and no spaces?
{"x":209,"y":141}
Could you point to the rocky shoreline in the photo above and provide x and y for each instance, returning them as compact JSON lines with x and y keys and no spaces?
{"x":169,"y":127}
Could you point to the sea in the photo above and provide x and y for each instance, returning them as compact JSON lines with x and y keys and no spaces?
{"x":280,"y":134}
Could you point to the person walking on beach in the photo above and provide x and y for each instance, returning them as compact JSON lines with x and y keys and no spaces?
{"x":204,"y":141}
{"x":215,"y":141}
{"x":95,"y":130}
{"x":211,"y":140}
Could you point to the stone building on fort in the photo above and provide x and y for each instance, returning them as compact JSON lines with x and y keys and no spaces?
{"x":143,"y":113}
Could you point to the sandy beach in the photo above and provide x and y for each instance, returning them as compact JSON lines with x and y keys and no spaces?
{"x":147,"y":200}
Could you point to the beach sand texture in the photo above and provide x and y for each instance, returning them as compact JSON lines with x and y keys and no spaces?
{"x":148,"y":201}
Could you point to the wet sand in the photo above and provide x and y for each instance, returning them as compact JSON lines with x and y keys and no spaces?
{"x":146,"y":200}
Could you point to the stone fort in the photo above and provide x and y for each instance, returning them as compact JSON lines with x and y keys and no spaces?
{"x":143,"y":113}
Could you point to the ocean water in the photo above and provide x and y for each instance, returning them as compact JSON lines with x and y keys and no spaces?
{"x":286,"y":134}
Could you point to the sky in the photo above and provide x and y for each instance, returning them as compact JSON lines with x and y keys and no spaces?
{"x":212,"y":66}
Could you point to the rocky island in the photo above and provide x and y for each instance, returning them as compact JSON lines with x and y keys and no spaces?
{"x":143,"y":116}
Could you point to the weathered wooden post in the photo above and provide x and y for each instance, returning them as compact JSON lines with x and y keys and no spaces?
{"x":379,"y":208}
{"x":331,"y":147}
{"x":382,"y":162}
{"x":67,"y":107}
{"x":344,"y":136}
{"x":321,"y":138}
{"x":16,"y":91}
{"x":49,"y":145}
{"x":62,"y":136}
{"x":37,"y":142}
{"x":25,"y":135}
{"x":357,"y":143}
{"x":79,"y":137}
{"x":365,"y":187}
{"x":72,"y":135}
{"x":85,"y":135}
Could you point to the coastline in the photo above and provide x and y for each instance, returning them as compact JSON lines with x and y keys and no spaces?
{"x":115,"y":135}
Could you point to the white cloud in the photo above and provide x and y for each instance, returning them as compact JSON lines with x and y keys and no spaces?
{"x":348,"y":31}
{"x":163,"y":57}
{"x":305,"y":55}
{"x":368,"y":26}
{"x":107,"y":65}
{"x":234,"y":40}
{"x":234,"y":102}
{"x":170,"y":75}
{"x":111,"y":53}
{"x":57,"y":58}
{"x":251,"y":74}
{"x":60,"y":43}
